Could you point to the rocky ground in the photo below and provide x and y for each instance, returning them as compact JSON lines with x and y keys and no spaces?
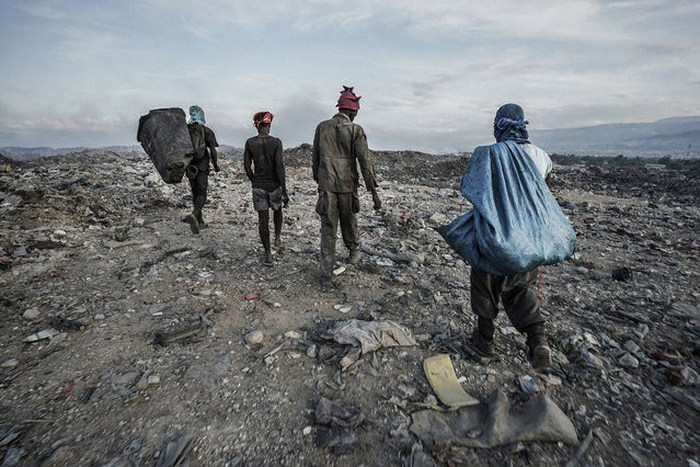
{"x":148,"y":354}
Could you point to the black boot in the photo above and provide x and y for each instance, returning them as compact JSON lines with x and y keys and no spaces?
{"x":480,"y":346}
{"x":538,"y":352}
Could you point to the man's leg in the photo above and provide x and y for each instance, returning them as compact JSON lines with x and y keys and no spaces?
{"x":277,"y":218}
{"x":348,"y":225}
{"x":521,"y":304}
{"x":264,"y":231}
{"x":200,"y":196}
{"x":329,"y":229}
{"x":196,"y":200}
{"x":485,"y":294}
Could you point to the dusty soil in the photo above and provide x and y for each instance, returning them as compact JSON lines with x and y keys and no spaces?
{"x":93,"y":246}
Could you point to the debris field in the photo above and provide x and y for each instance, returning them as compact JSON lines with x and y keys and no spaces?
{"x":126,"y":340}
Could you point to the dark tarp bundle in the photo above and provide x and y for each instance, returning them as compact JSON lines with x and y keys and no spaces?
{"x":164,"y":136}
{"x":516,"y":224}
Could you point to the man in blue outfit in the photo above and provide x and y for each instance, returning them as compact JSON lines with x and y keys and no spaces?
{"x":518,"y":290}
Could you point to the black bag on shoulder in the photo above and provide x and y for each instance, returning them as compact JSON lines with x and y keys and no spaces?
{"x":163,"y":135}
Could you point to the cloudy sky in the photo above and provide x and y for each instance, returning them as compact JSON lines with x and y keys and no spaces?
{"x":431,"y":73}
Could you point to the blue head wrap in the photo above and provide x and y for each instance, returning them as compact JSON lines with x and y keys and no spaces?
{"x":510,"y":124}
{"x":196,"y":115}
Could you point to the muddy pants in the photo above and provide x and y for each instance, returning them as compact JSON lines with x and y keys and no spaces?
{"x":334,"y":207}
{"x":518,"y":292}
{"x":199,"y":185}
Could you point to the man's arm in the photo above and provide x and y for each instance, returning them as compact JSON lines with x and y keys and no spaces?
{"x":212,"y":144}
{"x":363,"y":156}
{"x":279,"y":167}
{"x":316,"y":154}
{"x":214,"y":158}
{"x":247,"y":161}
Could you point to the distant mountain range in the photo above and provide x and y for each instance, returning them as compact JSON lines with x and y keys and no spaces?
{"x":678,"y":136}
{"x":671,"y":136}
{"x":27,"y":154}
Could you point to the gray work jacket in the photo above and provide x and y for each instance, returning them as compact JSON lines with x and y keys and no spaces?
{"x":339,"y":145}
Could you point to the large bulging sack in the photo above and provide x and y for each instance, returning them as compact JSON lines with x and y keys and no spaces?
{"x":516,"y":224}
{"x":164,"y":136}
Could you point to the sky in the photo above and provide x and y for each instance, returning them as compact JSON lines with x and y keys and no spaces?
{"x":431,"y":73}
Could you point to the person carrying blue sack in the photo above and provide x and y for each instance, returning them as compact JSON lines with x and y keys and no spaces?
{"x":516,"y":226}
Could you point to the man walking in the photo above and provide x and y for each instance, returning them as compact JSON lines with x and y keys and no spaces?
{"x":204,"y":143}
{"x":339,"y":144}
{"x":517,"y":290}
{"x":263,"y":163}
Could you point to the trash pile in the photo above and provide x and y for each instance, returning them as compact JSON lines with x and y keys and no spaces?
{"x":127,"y":340}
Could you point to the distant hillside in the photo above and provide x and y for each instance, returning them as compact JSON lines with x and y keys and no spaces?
{"x":667,"y":136}
{"x":27,"y":154}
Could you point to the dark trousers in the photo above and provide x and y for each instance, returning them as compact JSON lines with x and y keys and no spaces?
{"x":334,"y":208}
{"x":199,"y":185}
{"x":518,"y":292}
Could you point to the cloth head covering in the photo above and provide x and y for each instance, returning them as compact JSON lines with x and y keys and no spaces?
{"x":262,"y":117}
{"x":510,"y":124}
{"x":196,"y":115}
{"x":348,"y":99}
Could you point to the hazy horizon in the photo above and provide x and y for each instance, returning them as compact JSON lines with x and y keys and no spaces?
{"x":81,"y":73}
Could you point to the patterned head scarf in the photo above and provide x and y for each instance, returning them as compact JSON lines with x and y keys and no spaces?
{"x":262,"y":117}
{"x":196,"y":115}
{"x":348,"y":99}
{"x":510,"y":124}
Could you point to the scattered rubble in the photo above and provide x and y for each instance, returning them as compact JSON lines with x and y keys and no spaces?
{"x":98,"y":234}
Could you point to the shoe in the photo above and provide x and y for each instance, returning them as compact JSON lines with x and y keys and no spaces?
{"x":354,"y":257}
{"x":538,"y":352}
{"x":194,"y":225}
{"x":267,"y":260}
{"x":482,"y":345}
{"x":478,"y":348}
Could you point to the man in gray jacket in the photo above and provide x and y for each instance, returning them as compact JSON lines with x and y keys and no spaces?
{"x":339,"y":144}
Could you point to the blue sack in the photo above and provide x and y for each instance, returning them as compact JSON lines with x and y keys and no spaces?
{"x":516,"y":224}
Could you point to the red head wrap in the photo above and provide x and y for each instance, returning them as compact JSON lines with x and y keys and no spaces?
{"x":262,"y":117}
{"x":348,"y":99}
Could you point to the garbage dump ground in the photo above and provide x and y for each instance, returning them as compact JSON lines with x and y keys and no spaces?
{"x":126,"y":340}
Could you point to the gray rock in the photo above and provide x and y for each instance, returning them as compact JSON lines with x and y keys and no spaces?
{"x":591,"y":360}
{"x":31,"y":314}
{"x":628,"y":361}
{"x":41,"y":335}
{"x":9,"y":363}
{"x":254,"y":337}
{"x":631,"y":346}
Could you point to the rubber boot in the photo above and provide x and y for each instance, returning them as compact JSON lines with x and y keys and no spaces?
{"x":538,"y":352}
{"x":480,"y":345}
{"x":354,"y":257}
{"x":483,"y":337}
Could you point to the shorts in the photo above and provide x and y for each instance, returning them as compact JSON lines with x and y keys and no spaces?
{"x":264,"y":200}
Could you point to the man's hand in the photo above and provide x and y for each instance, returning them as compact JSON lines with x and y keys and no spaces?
{"x":216,"y":167}
{"x":285,"y":199}
{"x":377,"y":201}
